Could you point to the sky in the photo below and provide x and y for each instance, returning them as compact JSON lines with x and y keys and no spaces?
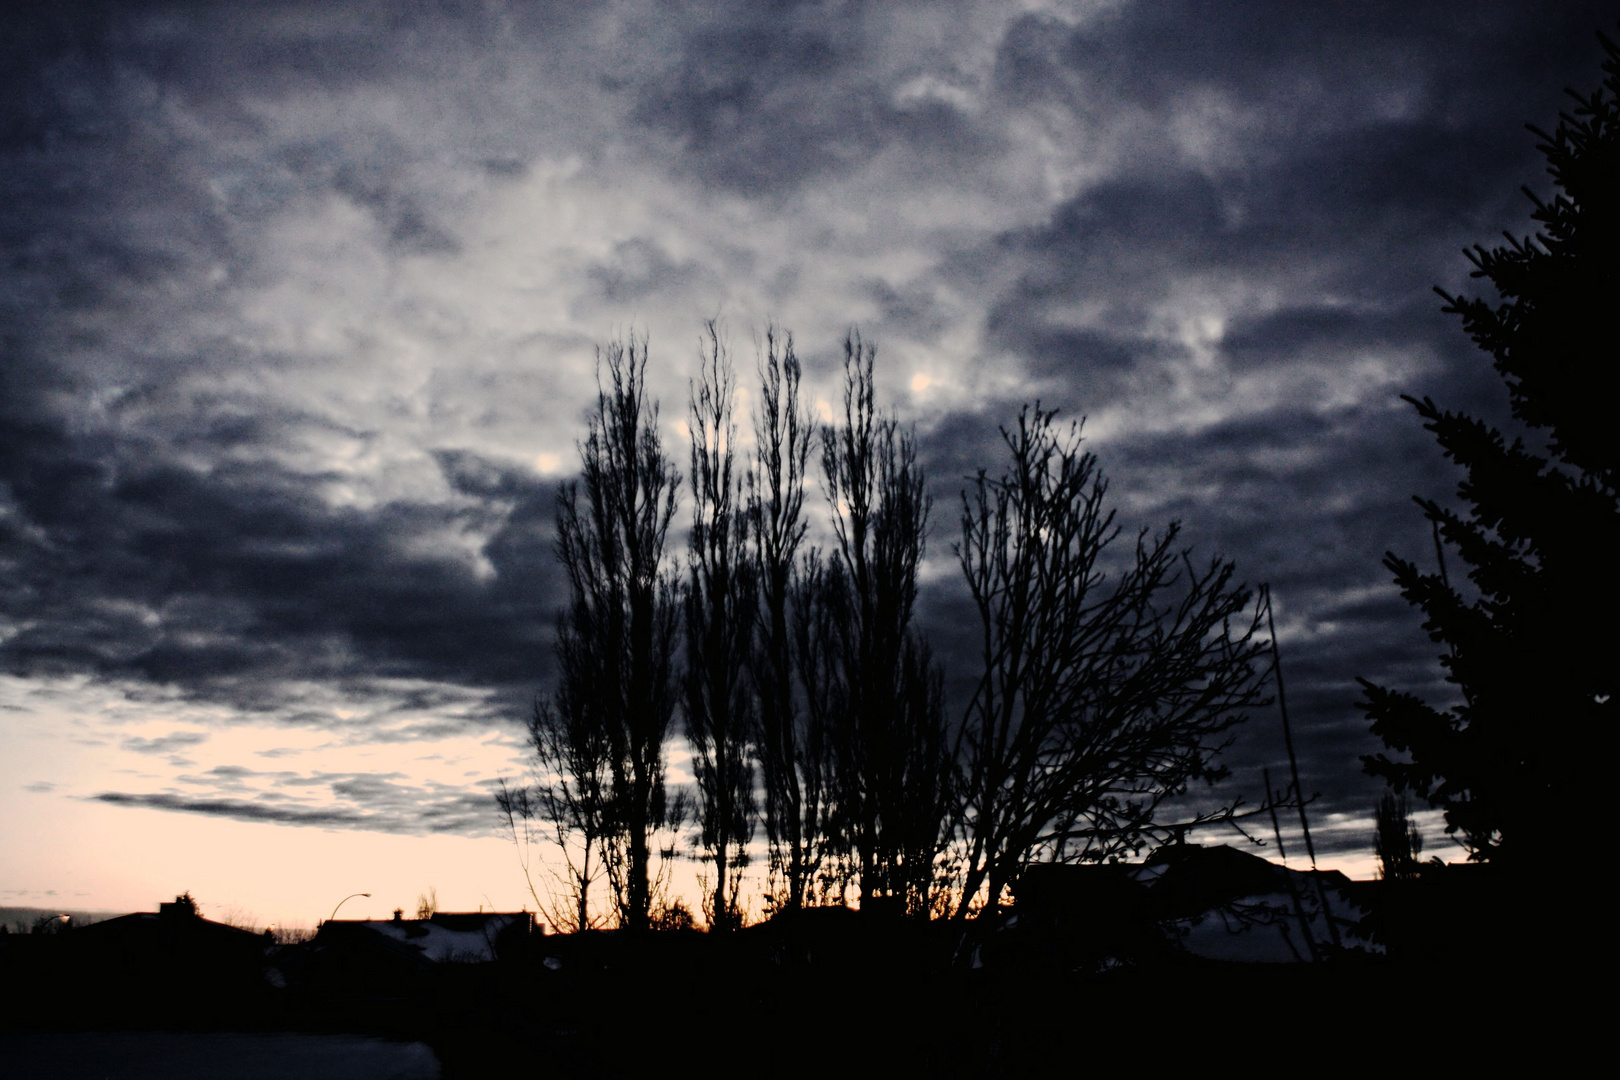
{"x":301,"y":302}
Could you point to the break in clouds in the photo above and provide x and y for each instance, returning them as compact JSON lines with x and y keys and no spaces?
{"x":300,"y":306}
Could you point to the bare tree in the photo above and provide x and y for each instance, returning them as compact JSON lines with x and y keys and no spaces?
{"x":720,"y":602}
{"x":567,"y":805}
{"x":790,"y":746}
{"x":1104,"y":695}
{"x":887,"y":735}
{"x":619,"y":630}
{"x":823,"y":858}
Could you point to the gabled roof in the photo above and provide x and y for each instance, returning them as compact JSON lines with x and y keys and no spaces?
{"x":445,"y":937}
{"x":144,"y":926}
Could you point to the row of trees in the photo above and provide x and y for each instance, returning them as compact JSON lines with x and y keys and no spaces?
{"x":1109,"y":679}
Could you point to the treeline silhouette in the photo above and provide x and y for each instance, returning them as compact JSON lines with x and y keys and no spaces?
{"x":1111,"y":667}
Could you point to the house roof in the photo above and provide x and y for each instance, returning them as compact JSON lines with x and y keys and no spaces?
{"x":445,"y":937}
{"x":167,"y":925}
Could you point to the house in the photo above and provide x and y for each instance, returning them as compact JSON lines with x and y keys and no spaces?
{"x":1223,"y":903}
{"x":445,"y":937}
{"x":373,"y":963}
{"x":171,"y":966}
{"x":1210,"y":903}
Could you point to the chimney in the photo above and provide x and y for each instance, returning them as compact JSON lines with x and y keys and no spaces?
{"x":184,"y":907}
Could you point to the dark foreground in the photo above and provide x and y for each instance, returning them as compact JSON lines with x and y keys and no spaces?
{"x":827,"y":994}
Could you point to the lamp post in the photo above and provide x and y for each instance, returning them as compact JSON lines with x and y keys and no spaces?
{"x":345,"y":900}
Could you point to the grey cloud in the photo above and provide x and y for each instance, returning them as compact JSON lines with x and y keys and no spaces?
{"x":639,"y":269}
{"x":374,"y":803}
{"x":164,"y":744}
{"x":248,"y":811}
{"x":371,"y":172}
{"x":361,"y":788}
{"x":384,"y":802}
{"x":910,"y":307}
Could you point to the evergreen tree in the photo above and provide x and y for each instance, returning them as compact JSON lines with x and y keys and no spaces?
{"x":1531,"y":647}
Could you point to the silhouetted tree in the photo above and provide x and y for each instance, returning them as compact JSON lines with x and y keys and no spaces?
{"x":823,"y":860}
{"x":1104,"y":694}
{"x":616,"y":639}
{"x":720,"y":611}
{"x":1532,"y":649}
{"x":566,"y":804}
{"x":787,"y":633}
{"x":1396,"y":839}
{"x":887,"y":730}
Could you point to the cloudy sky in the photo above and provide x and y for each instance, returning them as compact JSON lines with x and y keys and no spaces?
{"x":301,"y":302}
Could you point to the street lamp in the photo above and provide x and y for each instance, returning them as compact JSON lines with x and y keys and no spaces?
{"x":345,"y":900}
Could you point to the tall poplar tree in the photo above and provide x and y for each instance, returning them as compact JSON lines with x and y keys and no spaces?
{"x":888,"y":752}
{"x":788,"y":631}
{"x":719,"y":603}
{"x":619,"y":629}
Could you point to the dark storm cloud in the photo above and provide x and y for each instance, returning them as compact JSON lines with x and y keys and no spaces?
{"x":765,"y":98}
{"x":1306,"y":503}
{"x":230,"y":580}
{"x":1361,"y":149}
{"x":1286,"y":498}
{"x":1307,"y":172}
{"x":1280,"y":337}
{"x":1126,"y":245}
{"x":147,"y":524}
{"x":1309,"y":65}
{"x":756,"y":101}
{"x":1296,"y":510}
{"x":228,"y":577}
